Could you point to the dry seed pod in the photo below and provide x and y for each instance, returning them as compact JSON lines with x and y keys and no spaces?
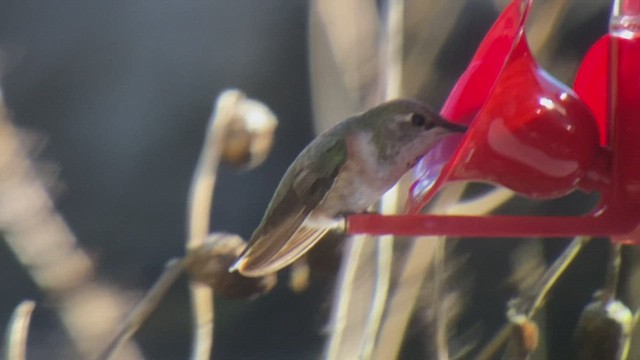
{"x":209,"y":264}
{"x":603,"y":331}
{"x":524,"y":338}
{"x":249,"y":128}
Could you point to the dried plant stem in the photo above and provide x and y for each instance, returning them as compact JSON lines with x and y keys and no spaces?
{"x":198,"y":217}
{"x":203,"y":317}
{"x":429,"y":23}
{"x":531,"y":301}
{"x":17,"y":331}
{"x":546,"y":24}
{"x":613,"y":273}
{"x":343,"y":39}
{"x":347,"y":276}
{"x":48,"y":250}
{"x":392,"y":50}
{"x":403,"y":300}
{"x":381,"y":291}
{"x":418,"y":259}
{"x":441,"y":343}
{"x":199,"y":209}
{"x":145,"y":307}
{"x":391,"y":78}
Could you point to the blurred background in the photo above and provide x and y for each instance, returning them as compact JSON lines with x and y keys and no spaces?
{"x":114,"y":98}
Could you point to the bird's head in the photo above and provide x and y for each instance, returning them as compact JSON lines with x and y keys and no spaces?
{"x":404,"y":129}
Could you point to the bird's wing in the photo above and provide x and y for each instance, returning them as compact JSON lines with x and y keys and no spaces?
{"x":303,"y":238}
{"x":283,"y":236}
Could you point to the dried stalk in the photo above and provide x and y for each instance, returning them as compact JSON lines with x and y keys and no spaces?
{"x":428,"y":25}
{"x":42,"y":241}
{"x":343,"y":53}
{"x":441,"y":315}
{"x":241,"y":130}
{"x":17,"y":331}
{"x":198,"y":217}
{"x":544,"y":25}
{"x":610,"y":287}
{"x":391,"y":77}
{"x":531,"y":301}
{"x":344,"y":61}
{"x":145,"y":307}
{"x":342,"y":316}
{"x":384,"y":262}
{"x":419,"y":258}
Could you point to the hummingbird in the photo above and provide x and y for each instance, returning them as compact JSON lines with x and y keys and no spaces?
{"x":342,"y":171}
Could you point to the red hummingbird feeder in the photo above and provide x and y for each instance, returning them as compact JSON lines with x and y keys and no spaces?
{"x":530,"y":133}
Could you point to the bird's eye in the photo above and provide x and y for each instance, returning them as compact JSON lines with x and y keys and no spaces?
{"x":418,"y":120}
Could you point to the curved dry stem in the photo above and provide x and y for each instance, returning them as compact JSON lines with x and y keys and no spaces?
{"x":145,"y":307}
{"x":17,"y":331}
{"x":198,"y":217}
{"x":260,"y":123}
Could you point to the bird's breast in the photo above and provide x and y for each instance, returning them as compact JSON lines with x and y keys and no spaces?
{"x":361,"y":181}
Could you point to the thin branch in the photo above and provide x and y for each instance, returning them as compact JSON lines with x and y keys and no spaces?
{"x":381,"y":291}
{"x":391,"y":78}
{"x":392,"y":50}
{"x":203,"y":316}
{"x":531,"y":301}
{"x":414,"y":270}
{"x":340,"y":308}
{"x":17,"y":331}
{"x":145,"y":307}
{"x":441,"y":343}
{"x":613,"y":273}
{"x":198,"y":217}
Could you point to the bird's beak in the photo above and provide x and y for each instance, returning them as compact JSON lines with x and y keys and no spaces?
{"x":451,"y":126}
